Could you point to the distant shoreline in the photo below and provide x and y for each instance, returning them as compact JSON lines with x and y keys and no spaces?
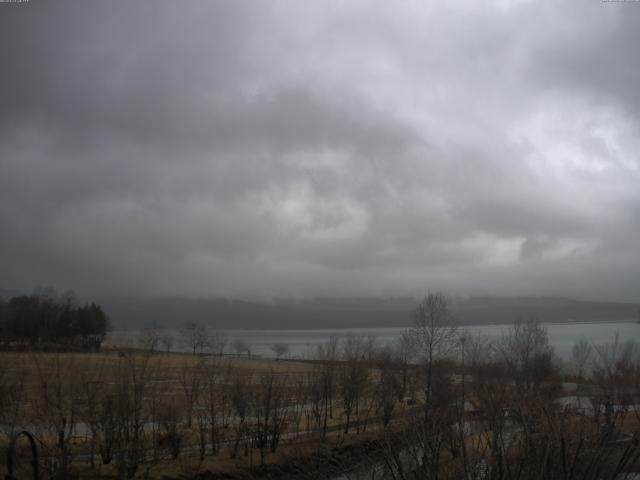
{"x":348,"y":329}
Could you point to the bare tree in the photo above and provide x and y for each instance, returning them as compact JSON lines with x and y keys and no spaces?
{"x":167,"y":341}
{"x":492,"y":393}
{"x":329,"y":349}
{"x":12,"y":401}
{"x":94,"y":390}
{"x":433,"y":336}
{"x":212,"y":403}
{"x":131,"y":380}
{"x":478,"y":350}
{"x":581,"y":355}
{"x":191,"y":377}
{"x":526,"y":352}
{"x":402,"y":354}
{"x":218,"y":341}
{"x":240,"y":400}
{"x":316,"y":386}
{"x":150,"y":338}
{"x":418,"y":451}
{"x":616,"y":367}
{"x":370,"y":347}
{"x":169,"y":438}
{"x":196,"y":336}
{"x":352,"y":376}
{"x":280,"y":349}
{"x":300,"y":398}
{"x":270,"y":412}
{"x":415,"y":452}
{"x":327,"y":353}
{"x":388,"y":386}
{"x":240,"y":347}
{"x":56,"y":407}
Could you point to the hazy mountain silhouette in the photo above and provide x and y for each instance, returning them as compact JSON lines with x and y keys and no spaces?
{"x":352,"y":312}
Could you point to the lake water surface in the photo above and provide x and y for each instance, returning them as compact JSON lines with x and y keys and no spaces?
{"x":303,"y":343}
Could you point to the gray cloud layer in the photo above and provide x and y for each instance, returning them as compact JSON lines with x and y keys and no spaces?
{"x":320,"y":148}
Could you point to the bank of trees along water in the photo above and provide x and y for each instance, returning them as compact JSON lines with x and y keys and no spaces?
{"x":44,"y":321}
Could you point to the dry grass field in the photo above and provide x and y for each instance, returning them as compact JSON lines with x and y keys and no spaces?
{"x":182,"y":413}
{"x":124,"y":414}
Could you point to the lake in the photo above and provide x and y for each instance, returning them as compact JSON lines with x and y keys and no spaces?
{"x":303,"y":343}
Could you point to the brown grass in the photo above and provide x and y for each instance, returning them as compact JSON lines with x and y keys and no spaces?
{"x":73,"y":370}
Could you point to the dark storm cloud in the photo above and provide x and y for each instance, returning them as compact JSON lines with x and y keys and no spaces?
{"x":269,"y":149}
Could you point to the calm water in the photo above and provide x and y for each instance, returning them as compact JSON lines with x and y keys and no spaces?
{"x":303,"y":343}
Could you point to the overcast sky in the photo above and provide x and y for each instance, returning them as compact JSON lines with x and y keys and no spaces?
{"x":274,"y":148}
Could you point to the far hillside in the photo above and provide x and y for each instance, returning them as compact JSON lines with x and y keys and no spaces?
{"x":354,"y":312}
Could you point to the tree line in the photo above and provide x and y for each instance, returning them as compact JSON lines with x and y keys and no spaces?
{"x":46,"y":321}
